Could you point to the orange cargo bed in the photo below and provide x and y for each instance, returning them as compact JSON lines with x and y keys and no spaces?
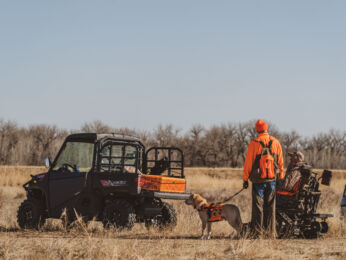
{"x":162,"y":183}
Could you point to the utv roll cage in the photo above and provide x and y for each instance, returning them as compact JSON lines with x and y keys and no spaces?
{"x":169,"y":160}
{"x":173,"y":161}
{"x":113,"y":162}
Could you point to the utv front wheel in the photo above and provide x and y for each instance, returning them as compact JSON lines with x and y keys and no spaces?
{"x":30,"y":214}
{"x":119,"y":213}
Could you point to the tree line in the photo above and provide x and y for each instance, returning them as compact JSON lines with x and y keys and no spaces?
{"x":223,"y":145}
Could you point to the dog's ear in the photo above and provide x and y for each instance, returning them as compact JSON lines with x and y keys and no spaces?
{"x":195,"y":196}
{"x":198,"y":197}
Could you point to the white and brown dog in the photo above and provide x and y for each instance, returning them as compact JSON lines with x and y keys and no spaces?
{"x":211,"y":212}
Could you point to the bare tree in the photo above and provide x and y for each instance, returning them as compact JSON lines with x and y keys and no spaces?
{"x":96,"y":127}
{"x":8,"y":141}
{"x":193,"y":146}
{"x":43,"y":139}
{"x":219,"y":145}
{"x":166,"y":135}
{"x":289,"y":141}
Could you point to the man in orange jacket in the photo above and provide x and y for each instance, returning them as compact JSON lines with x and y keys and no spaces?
{"x":263,"y":166}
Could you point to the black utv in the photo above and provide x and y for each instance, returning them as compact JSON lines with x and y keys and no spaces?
{"x":107,"y":177}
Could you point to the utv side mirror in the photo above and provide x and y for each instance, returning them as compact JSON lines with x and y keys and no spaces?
{"x":47,"y":162}
{"x":326,"y":177}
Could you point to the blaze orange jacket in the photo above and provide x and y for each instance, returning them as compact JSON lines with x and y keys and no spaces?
{"x":255,"y":148}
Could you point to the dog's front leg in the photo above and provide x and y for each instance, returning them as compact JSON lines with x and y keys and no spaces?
{"x":204,"y":224}
{"x":209,"y":230}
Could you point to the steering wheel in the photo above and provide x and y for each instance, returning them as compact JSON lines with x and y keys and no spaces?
{"x":68,"y":167}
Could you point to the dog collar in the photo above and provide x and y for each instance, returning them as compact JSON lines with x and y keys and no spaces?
{"x":199,"y":207}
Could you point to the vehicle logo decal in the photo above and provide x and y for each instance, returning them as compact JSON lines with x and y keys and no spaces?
{"x":110,"y":183}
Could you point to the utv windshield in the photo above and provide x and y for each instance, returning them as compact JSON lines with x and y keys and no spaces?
{"x":76,"y":156}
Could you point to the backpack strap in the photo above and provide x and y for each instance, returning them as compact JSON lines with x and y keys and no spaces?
{"x":270,"y":143}
{"x":263,"y":145}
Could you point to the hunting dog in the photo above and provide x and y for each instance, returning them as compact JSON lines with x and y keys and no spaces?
{"x":215,"y":212}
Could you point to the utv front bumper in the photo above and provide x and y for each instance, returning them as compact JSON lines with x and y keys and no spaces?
{"x":166,"y":195}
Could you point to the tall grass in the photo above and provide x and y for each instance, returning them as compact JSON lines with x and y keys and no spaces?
{"x":91,"y":241}
{"x":17,"y":175}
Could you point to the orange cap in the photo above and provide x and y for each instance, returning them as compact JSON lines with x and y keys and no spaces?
{"x":261,"y":126}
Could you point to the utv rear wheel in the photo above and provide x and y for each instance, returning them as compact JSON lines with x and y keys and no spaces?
{"x":119,"y":213}
{"x":167,"y":219}
{"x":31,"y":214}
{"x":169,"y":216}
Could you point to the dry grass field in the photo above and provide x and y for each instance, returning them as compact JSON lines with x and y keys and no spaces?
{"x":91,"y":241}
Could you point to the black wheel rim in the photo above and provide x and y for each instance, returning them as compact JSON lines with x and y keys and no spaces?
{"x":114,"y":217}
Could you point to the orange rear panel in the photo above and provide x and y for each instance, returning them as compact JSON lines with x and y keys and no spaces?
{"x":162,"y":183}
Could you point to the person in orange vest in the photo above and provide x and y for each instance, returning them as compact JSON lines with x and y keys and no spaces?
{"x":263,"y":166}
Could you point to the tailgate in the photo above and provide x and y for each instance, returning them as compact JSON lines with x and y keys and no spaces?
{"x":162,"y":184}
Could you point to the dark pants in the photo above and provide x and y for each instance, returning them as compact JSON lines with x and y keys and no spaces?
{"x":263,"y":207}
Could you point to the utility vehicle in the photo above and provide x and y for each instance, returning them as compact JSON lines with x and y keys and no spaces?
{"x":108,"y":177}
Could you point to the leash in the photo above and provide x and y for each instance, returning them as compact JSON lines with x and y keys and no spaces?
{"x":229,"y":198}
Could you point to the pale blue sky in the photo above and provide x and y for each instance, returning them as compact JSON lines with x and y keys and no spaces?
{"x":141,"y":63}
